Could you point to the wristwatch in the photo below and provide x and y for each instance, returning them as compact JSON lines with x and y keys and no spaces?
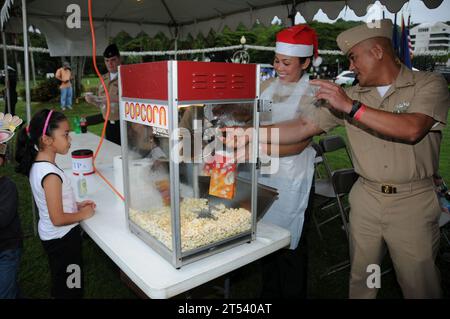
{"x":355,"y":107}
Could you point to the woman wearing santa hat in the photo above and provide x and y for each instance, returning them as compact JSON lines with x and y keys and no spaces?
{"x":284,"y":273}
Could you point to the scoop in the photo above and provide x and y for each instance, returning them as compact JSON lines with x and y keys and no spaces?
{"x":206,"y":213}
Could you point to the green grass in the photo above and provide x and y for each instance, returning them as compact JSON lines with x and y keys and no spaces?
{"x":90,"y":83}
{"x":102,"y":278}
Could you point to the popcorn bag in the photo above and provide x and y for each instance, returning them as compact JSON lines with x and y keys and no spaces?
{"x":223,"y":177}
{"x":163,"y":187}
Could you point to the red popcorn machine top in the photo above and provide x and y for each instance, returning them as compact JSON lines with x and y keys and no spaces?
{"x":185,"y":194}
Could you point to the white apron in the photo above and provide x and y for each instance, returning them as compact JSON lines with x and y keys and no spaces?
{"x":295,"y":174}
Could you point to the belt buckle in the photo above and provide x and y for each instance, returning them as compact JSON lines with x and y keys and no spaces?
{"x":388,"y":189}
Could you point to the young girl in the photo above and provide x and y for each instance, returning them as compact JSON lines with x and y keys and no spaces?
{"x":59,"y":213}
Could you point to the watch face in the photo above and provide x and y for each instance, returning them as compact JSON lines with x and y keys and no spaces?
{"x":5,"y":136}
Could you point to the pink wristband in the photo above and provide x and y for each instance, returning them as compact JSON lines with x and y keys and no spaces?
{"x":360,"y":112}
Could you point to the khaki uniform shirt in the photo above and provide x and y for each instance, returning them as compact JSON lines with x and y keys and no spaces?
{"x":64,"y":75}
{"x":113,"y":89}
{"x":383,"y":159}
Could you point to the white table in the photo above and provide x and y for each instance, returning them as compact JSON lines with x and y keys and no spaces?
{"x":89,"y":141}
{"x":156,"y":277}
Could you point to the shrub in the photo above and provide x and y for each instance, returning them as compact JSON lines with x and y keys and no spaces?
{"x":45,"y":91}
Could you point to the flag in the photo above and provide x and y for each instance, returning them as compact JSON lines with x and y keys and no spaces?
{"x":395,"y":43}
{"x":405,"y":56}
{"x":411,"y":51}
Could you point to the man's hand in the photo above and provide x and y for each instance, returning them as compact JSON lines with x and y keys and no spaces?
{"x":334,"y":95}
{"x":90,"y":98}
{"x":95,"y":100}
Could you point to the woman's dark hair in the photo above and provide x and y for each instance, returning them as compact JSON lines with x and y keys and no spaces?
{"x":28,"y":140}
{"x":303,"y":59}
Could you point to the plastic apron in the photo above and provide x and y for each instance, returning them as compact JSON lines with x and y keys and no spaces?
{"x":295,"y":174}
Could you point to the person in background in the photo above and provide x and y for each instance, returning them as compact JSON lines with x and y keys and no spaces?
{"x":12,"y":77}
{"x":112,"y":62}
{"x":59,"y":213}
{"x":11,"y":237}
{"x":64,"y":74}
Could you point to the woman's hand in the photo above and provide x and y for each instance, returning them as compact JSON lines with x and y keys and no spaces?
{"x":236,"y":137}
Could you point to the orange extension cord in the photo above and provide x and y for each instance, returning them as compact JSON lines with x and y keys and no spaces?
{"x":108,"y":105}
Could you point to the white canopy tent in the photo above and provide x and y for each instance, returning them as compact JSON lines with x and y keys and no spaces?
{"x":172,"y":17}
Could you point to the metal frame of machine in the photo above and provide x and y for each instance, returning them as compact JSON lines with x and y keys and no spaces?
{"x":167,"y":85}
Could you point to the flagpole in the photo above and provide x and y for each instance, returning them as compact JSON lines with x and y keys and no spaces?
{"x":395,"y":42}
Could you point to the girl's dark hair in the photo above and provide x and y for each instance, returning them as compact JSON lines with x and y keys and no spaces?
{"x":28,"y":141}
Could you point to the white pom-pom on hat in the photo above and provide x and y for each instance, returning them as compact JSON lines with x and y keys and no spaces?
{"x":317,"y":61}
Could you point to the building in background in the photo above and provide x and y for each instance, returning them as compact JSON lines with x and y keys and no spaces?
{"x":430,"y":36}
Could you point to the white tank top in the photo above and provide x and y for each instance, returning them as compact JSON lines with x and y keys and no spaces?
{"x":39,"y":171}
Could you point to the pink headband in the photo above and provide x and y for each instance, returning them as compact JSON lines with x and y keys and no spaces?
{"x":46,"y":122}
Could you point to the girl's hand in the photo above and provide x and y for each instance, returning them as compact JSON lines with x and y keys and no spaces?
{"x":87,"y":211}
{"x":86,"y":203}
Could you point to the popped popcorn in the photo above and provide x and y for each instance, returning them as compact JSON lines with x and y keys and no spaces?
{"x":195,"y":231}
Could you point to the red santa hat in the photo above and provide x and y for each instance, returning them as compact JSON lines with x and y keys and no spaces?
{"x":299,"y":40}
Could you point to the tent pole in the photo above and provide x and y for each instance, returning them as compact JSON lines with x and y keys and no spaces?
{"x":5,"y":62}
{"x":27,"y":89}
{"x":176,"y":48}
{"x":33,"y":72}
{"x":25,"y":59}
{"x":7,"y":97}
{"x":176,"y":43}
{"x":293,"y":12}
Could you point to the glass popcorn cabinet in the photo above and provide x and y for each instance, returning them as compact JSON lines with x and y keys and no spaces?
{"x":186,"y":195}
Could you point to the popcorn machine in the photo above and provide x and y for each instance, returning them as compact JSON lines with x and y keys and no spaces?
{"x":185,"y":196}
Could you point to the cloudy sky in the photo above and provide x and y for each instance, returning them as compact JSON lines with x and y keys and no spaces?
{"x":418,"y":11}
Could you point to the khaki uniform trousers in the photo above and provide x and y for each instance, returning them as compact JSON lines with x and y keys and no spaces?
{"x":405,"y":222}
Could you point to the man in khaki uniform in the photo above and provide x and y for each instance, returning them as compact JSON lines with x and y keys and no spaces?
{"x":111,"y":79}
{"x":394,"y":120}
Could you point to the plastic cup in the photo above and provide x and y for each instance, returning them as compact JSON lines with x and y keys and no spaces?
{"x":317,"y":102}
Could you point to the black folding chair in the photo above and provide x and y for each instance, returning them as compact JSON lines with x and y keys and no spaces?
{"x":332,"y":186}
{"x":330,"y":193}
